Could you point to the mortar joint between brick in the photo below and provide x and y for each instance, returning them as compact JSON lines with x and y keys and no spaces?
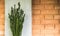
{"x":44,"y":26}
{"x":40,"y":11}
{"x":44,"y":17}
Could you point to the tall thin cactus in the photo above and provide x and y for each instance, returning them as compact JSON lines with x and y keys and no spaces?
{"x":16,"y":20}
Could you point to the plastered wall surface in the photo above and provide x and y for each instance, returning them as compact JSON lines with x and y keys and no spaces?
{"x":27,"y":25}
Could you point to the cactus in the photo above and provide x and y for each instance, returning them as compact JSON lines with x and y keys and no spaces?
{"x":16,"y":18}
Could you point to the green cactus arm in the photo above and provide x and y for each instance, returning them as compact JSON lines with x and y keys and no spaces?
{"x":16,"y":20}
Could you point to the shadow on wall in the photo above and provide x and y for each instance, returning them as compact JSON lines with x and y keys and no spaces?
{"x":58,"y":8}
{"x":1,"y":2}
{"x":58,"y":5}
{"x":36,"y":2}
{"x":58,"y":2}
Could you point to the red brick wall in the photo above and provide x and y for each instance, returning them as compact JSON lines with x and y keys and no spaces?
{"x":1,"y":17}
{"x":45,"y":18}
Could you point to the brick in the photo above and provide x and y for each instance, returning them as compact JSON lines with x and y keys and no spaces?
{"x":35,"y":31}
{"x":35,"y":2}
{"x":42,"y":27}
{"x":35,"y":34}
{"x":48,"y":1}
{"x":35,"y":12}
{"x":57,"y":35}
{"x":49,"y":34}
{"x":2,"y":2}
{"x":57,"y":29}
{"x":2,"y":22}
{"x":1,"y":16}
{"x":41,"y":7}
{"x":2,"y":12}
{"x":57,"y":7}
{"x":59,"y":12}
{"x":35,"y":27}
{"x":38,"y":27}
{"x":44,"y":23}
{"x":41,"y":17}
{"x":50,"y":30}
{"x":36,"y":17}
{"x":1,"y":6}
{"x":42,"y":34}
{"x":42,"y":31}
{"x":35,"y":21}
{"x":56,"y":16}
{"x":1,"y":32}
{"x":57,"y":26}
{"x":48,"y":17}
{"x":2,"y":35}
{"x":49,"y":22}
{"x":49,"y":6}
{"x":49,"y":12}
{"x":1,"y":27}
{"x":35,"y":6}
{"x":49,"y":26}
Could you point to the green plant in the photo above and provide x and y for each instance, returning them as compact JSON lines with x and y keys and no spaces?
{"x":16,"y":20}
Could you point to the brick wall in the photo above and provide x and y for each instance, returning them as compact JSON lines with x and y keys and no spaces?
{"x":1,"y":17}
{"x":45,"y":18}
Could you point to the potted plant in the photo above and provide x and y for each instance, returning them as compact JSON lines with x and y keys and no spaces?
{"x":16,"y":18}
